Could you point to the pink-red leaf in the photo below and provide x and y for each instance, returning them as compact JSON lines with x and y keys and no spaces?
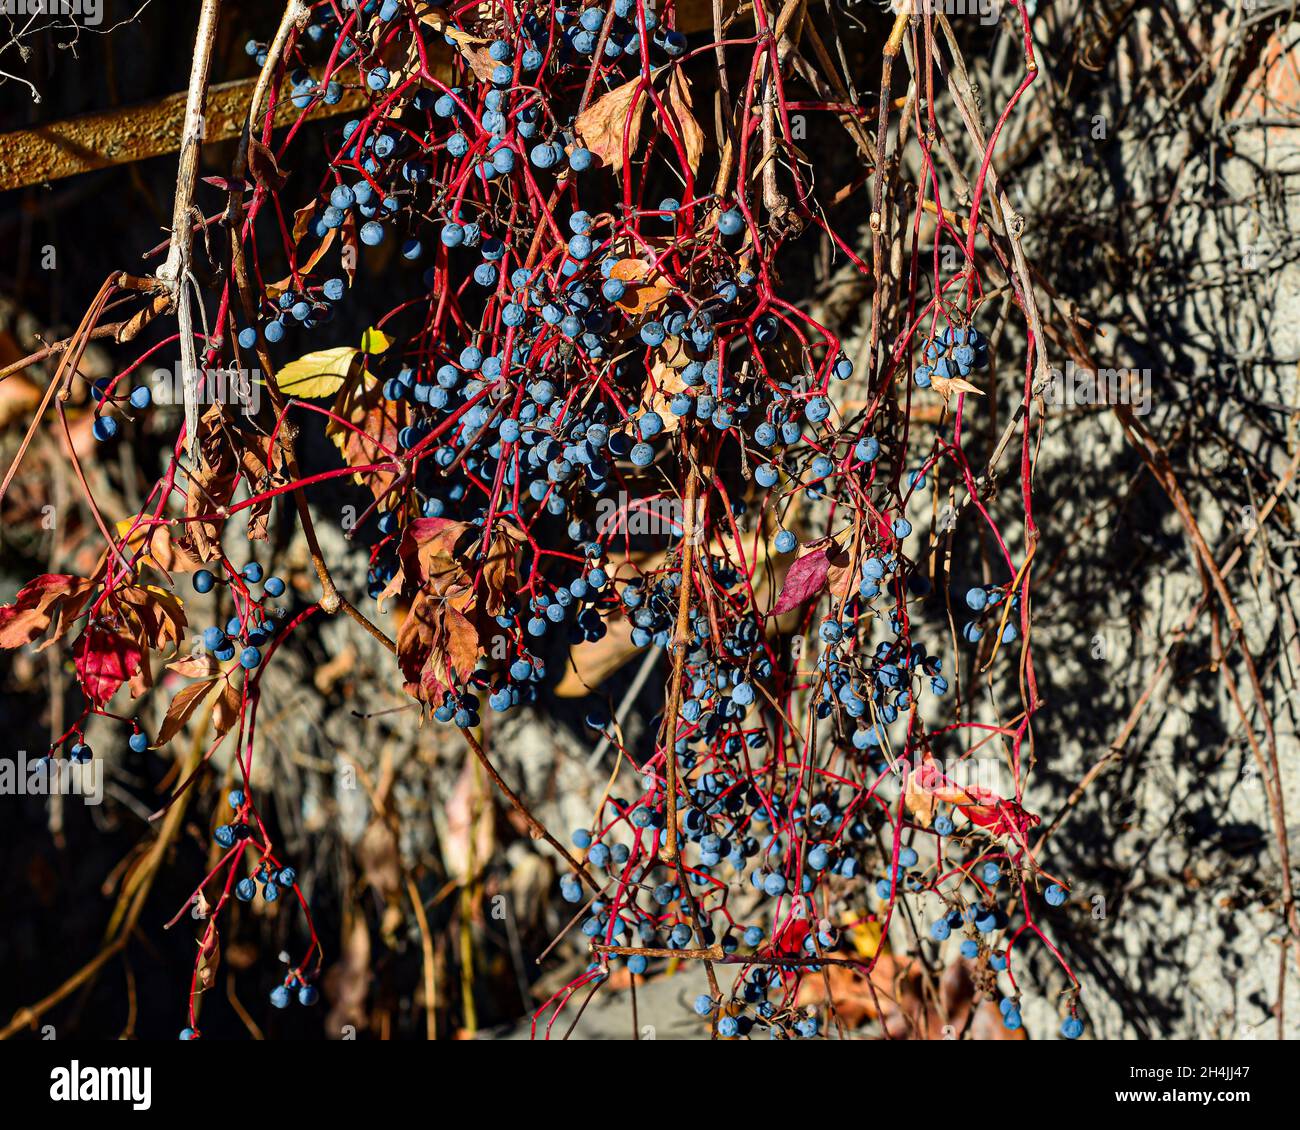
{"x":803,"y":582}
{"x":104,"y":661}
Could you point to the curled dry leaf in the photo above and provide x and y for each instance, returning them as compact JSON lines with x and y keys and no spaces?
{"x":645,"y":288}
{"x":946,"y":386}
{"x":264,"y":167}
{"x":678,"y":102}
{"x":663,"y":383}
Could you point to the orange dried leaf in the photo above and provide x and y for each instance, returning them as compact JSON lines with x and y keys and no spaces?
{"x":678,"y":102}
{"x":182,"y":707}
{"x":612,"y":120}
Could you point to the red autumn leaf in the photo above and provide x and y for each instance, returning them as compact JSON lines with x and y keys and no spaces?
{"x":982,"y":806}
{"x":1001,"y":817}
{"x":803,"y":582}
{"x":104,"y":661}
{"x":38,"y":604}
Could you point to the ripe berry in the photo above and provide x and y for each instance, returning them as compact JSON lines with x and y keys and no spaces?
{"x":1072,"y":1028}
{"x":1055,"y":895}
{"x":280,"y":996}
{"x":730,"y":222}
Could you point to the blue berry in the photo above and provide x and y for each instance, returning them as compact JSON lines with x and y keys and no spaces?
{"x":730,"y":222}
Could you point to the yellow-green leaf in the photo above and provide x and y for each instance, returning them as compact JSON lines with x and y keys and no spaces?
{"x":317,"y":374}
{"x":375,"y":341}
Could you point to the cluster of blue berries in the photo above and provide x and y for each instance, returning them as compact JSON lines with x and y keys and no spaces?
{"x":957,"y":351}
{"x":986,"y":602}
{"x":106,"y":427}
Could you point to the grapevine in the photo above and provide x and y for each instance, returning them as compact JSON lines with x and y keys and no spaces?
{"x":593,"y":409}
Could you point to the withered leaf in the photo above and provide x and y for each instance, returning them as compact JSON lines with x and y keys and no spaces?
{"x":264,"y":167}
{"x":226,"y":706}
{"x":611,"y":120}
{"x":376,"y":421}
{"x":155,"y":615}
{"x":182,"y":707}
{"x":946,"y":386}
{"x":678,"y":102}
